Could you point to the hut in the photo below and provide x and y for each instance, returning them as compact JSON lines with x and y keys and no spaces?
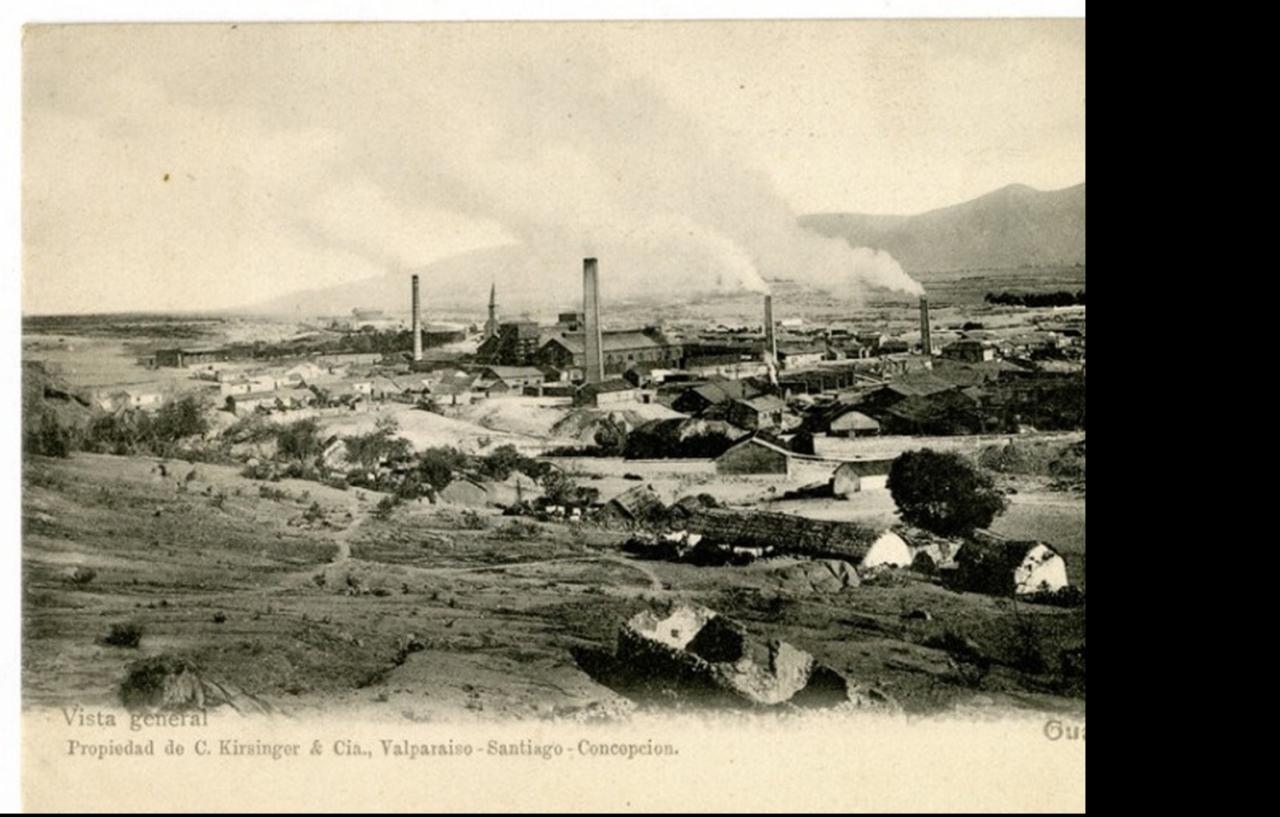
{"x":846,"y":480}
{"x":853,"y":424}
{"x":754,"y":455}
{"x":888,"y":550}
{"x":1004,"y":567}
{"x":638,"y":504}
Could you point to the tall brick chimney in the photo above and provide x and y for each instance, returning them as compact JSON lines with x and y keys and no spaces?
{"x":417,"y":322}
{"x":593,"y":340}
{"x":925,"y":344}
{"x":770,"y":334}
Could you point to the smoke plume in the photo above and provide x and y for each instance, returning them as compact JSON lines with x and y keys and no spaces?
{"x":571,"y":159}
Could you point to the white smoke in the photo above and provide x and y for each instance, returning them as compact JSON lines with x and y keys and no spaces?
{"x":325,"y":162}
{"x":574,"y":160}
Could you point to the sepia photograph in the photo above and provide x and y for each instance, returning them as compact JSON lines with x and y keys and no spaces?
{"x":553,"y":414}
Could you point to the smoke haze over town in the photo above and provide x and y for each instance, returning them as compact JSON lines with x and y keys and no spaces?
{"x":681,"y":157}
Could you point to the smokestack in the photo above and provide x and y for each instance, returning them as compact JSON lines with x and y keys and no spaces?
{"x":417,"y":323}
{"x":925,"y":345}
{"x":593,"y":342}
{"x":770,"y":338}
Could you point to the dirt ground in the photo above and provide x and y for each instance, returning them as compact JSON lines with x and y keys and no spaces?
{"x":299,"y":596}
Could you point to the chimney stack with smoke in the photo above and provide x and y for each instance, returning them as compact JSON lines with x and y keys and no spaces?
{"x":925,"y":344}
{"x":417,"y":323}
{"x":593,"y":341}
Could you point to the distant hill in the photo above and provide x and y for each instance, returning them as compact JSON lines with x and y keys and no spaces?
{"x":1011,"y":227}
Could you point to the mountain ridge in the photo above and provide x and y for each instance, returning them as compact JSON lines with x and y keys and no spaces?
{"x":1013,"y":226}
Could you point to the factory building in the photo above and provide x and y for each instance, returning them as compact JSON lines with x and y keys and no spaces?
{"x":180,"y":358}
{"x":621,"y":350}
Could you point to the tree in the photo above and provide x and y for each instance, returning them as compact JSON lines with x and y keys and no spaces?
{"x":437,"y":465}
{"x":943,"y":492}
{"x":559,"y":489}
{"x":51,"y":439}
{"x":611,"y":437}
{"x":180,"y":418}
{"x":300,"y":440}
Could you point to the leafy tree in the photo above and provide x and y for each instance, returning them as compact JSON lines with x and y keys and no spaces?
{"x":559,"y":488}
{"x":184,"y":417}
{"x":943,"y":492}
{"x":436,"y":466}
{"x":500,"y":462}
{"x":611,"y":437}
{"x":300,"y":440}
{"x":51,"y":438}
{"x":376,"y":447}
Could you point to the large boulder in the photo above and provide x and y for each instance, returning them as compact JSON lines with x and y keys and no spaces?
{"x":817,"y":576}
{"x":692,"y":654}
{"x":174,"y":684}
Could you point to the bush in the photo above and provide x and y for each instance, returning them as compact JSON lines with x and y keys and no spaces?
{"x":123,"y":635}
{"x":518,"y":530}
{"x":943,"y":492}
{"x":559,"y":489}
{"x":260,"y":470}
{"x":145,"y":683}
{"x":385,"y":507}
{"x":300,"y":440}
{"x":50,"y":439}
{"x":473,"y":520}
{"x":436,"y":466}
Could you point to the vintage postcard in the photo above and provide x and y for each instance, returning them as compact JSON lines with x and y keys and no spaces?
{"x":553,"y":416}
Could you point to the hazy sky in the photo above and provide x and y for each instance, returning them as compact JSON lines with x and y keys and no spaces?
{"x":170,"y":167}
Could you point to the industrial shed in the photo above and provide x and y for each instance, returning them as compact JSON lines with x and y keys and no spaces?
{"x":786,"y":533}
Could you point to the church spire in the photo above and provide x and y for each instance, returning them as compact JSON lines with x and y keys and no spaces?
{"x":491,"y":325}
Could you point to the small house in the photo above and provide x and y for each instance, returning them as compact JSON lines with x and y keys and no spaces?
{"x":611,"y":393}
{"x":638,"y":504}
{"x":757,"y":413}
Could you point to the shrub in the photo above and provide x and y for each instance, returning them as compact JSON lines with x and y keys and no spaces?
{"x":518,"y":530}
{"x":943,"y":492}
{"x":299,"y":440}
{"x":473,"y":520}
{"x":260,"y":470}
{"x":147,"y":681}
{"x":436,"y":466}
{"x":123,"y":635}
{"x":50,"y":439}
{"x":313,"y":513}
{"x":559,"y":489}
{"x":385,"y":507}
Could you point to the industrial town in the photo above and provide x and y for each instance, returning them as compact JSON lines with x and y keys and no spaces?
{"x":560,"y":519}
{"x":554,"y":372}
